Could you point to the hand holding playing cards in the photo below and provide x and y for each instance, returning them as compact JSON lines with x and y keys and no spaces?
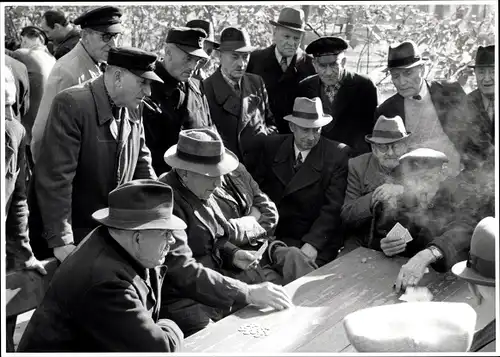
{"x":246,"y":259}
{"x":395,"y":241}
{"x":412,"y":272}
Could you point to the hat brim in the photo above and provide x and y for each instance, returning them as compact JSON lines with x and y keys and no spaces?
{"x":370,"y":139}
{"x":198,"y":52}
{"x":461,"y":270}
{"x":148,"y":75}
{"x":213,"y":42}
{"x":113,"y":28}
{"x":244,"y":49}
{"x":411,"y":65}
{"x":228,"y":163}
{"x":307,"y":123}
{"x":172,"y":223}
{"x":287,"y":27}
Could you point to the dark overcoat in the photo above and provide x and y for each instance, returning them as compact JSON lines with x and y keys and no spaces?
{"x":281,"y":86}
{"x":67,"y":43}
{"x":352,"y":109}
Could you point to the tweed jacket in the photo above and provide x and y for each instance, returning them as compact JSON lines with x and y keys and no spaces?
{"x":82,"y":160}
{"x":242,"y":119}
{"x":75,"y":68}
{"x":352,"y":120}
{"x":281,"y":86}
{"x":20,"y":72}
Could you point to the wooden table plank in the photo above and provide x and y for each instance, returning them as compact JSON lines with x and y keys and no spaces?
{"x":359,"y":279}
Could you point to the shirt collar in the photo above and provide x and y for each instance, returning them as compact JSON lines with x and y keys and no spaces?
{"x":424,"y":93}
{"x":279,"y":56}
{"x":304,"y":152}
{"x":231,"y":82}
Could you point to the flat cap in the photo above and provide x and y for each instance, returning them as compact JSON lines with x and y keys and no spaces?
{"x":190,"y":40}
{"x":328,"y":45}
{"x":139,"y":62}
{"x":423,"y":158}
{"x":104,"y":19}
{"x":34,"y":31}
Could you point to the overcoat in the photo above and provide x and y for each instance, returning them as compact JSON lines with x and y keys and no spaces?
{"x":20,"y":72}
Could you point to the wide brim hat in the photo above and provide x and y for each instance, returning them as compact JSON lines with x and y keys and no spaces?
{"x":235,"y":40}
{"x":201,"y":151}
{"x":477,"y":269}
{"x":404,"y":55}
{"x":207,"y":27}
{"x":308,"y":113}
{"x":388,"y":131}
{"x":291,"y":18}
{"x":485,"y":57}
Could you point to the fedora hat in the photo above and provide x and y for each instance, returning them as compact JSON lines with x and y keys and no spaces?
{"x":412,"y":327}
{"x":404,"y":55}
{"x":308,"y":113}
{"x":480,"y":267}
{"x":139,"y":205}
{"x":201,"y":151}
{"x":290,"y":18}
{"x":387,"y":131}
{"x":485,"y":57}
{"x":233,"y":39}
{"x":205,"y":26}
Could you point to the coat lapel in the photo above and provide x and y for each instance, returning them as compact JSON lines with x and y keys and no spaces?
{"x":310,"y":171}
{"x":282,"y":164}
{"x":225,"y":96}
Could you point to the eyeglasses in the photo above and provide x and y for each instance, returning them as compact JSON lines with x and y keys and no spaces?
{"x":383,"y":148}
{"x":107,"y":37}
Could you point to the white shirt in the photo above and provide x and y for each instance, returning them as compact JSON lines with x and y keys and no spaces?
{"x":279,"y":57}
{"x":304,"y":153}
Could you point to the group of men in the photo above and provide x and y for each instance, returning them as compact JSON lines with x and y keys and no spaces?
{"x":144,"y":163}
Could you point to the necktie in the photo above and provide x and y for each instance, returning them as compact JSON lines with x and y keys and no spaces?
{"x":491,"y":109}
{"x":283,"y":64}
{"x":237,"y":88}
{"x":298,"y":162}
{"x":330,"y":93}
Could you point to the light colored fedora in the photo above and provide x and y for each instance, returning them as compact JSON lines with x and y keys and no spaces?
{"x":308,"y":113}
{"x":139,"y":205}
{"x":201,"y":151}
{"x":404,"y":55}
{"x":387,"y":131}
{"x":291,"y":18}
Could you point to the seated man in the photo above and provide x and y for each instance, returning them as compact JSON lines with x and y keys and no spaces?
{"x":372,"y":177}
{"x":305,"y":174}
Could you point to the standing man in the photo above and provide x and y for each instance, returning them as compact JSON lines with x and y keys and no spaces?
{"x":238,"y":100}
{"x":60,"y":31}
{"x":432,"y":111}
{"x":283,"y":65}
{"x":177,"y":102}
{"x":100,"y":28}
{"x":205,"y":67}
{"x":305,"y":174}
{"x":94,"y":142}
{"x":350,"y":98}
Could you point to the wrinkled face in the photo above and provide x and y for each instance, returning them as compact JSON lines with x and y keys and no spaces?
{"x":234,"y":64}
{"x":305,"y":138}
{"x":131,"y":89}
{"x":202,"y":186}
{"x":52,"y":33}
{"x":408,"y":81}
{"x":10,"y":86}
{"x":287,"y":41}
{"x":152,"y":246}
{"x":485,"y":77}
{"x":180,"y":64}
{"x":389,"y":154}
{"x":98,"y":44}
{"x":329,"y":68}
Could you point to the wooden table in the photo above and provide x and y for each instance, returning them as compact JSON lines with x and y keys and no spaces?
{"x":359,"y":279}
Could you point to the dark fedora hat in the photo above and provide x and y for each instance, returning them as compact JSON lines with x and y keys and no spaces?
{"x":404,"y":55}
{"x":103,"y":19}
{"x":485,"y":57}
{"x":233,"y":39}
{"x":32,"y":31}
{"x":201,"y":151}
{"x":205,"y":26}
{"x":387,"y":131}
{"x":139,"y":205}
{"x":190,"y":40}
{"x":480,"y":267}
{"x":291,"y":18}
{"x":139,"y":62}
{"x":328,"y":45}
{"x":308,"y":113}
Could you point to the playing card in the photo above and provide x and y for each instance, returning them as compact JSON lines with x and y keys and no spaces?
{"x":416,"y":294}
{"x":397,"y":231}
{"x":407,"y":236}
{"x":261,"y":250}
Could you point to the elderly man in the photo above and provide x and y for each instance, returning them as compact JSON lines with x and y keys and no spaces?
{"x":178,"y":103}
{"x":340,"y":91}
{"x":283,"y":64}
{"x":205,"y":66}
{"x":60,"y":31}
{"x":373,"y":177}
{"x":94,"y":142}
{"x":100,"y":28}
{"x":305,"y":174}
{"x":238,"y":101}
{"x":431,"y":110}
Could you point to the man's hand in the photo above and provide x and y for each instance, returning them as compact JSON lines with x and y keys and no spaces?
{"x":62,"y":252}
{"x":309,"y":251}
{"x":254,"y":212}
{"x":268,"y":294}
{"x":392,"y":245}
{"x":386,"y":192}
{"x":246,"y":259}
{"x":35,"y":264}
{"x":411,"y":273}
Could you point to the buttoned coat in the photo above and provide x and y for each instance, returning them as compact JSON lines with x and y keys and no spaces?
{"x":82,"y":161}
{"x":241,"y":120}
{"x":309,"y":201}
{"x":281,"y":86}
{"x":75,"y":68}
{"x":352,"y":109}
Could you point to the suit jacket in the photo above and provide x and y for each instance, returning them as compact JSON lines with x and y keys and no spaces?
{"x":82,"y":161}
{"x":176,"y":106}
{"x":280,"y":86}
{"x":20,"y":72}
{"x":241,"y":119}
{"x":113,"y":304}
{"x":310,"y":200}
{"x":75,"y":68}
{"x":352,"y":119}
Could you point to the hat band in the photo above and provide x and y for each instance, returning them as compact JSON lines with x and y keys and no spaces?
{"x":388,"y":134}
{"x":290,"y":24}
{"x":484,"y":267}
{"x":227,"y":45}
{"x":138,"y":215}
{"x":304,"y":115}
{"x":200,"y":159}
{"x":403,"y":61}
